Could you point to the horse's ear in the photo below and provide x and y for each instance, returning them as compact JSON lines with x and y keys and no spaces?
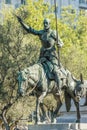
{"x":81,"y":78}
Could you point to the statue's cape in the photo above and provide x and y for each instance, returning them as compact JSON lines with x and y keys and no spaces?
{"x":67,"y":101}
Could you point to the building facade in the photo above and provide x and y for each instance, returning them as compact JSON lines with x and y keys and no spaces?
{"x":76,"y":4}
{"x":13,"y":3}
{"x":9,"y":3}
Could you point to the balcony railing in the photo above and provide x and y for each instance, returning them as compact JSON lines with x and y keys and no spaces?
{"x":83,"y":1}
{"x":83,"y":4}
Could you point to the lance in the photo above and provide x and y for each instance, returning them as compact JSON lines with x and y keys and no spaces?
{"x":57,"y":31}
{"x":16,"y":15}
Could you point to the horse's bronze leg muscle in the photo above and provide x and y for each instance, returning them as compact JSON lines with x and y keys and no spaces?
{"x":38,"y":101}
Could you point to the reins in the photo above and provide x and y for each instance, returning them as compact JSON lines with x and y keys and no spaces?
{"x":27,"y":94}
{"x":32,"y":90}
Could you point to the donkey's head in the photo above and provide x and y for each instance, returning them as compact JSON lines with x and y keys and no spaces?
{"x":81,"y":88}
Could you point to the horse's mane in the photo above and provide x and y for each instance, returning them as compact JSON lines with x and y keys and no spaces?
{"x":34,"y":71}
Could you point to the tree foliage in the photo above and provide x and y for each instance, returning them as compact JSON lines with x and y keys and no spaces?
{"x":73,"y":32}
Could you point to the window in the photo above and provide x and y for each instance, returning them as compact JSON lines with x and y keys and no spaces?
{"x":23,"y":2}
{"x":82,"y":1}
{"x":8,"y":1}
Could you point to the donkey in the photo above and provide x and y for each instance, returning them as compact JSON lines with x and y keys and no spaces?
{"x":75,"y":89}
{"x":36,"y":78}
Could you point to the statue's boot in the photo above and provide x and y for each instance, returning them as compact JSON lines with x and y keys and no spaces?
{"x":64,"y":84}
{"x":58,"y":84}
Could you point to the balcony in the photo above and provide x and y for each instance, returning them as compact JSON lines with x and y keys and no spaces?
{"x":83,"y":4}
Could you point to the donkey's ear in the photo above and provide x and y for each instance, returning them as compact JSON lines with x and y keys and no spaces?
{"x":81,"y":78}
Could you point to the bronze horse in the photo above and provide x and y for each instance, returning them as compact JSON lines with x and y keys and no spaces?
{"x":35,"y":77}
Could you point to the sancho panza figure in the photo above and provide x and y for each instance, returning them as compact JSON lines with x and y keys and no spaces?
{"x":48,"y":51}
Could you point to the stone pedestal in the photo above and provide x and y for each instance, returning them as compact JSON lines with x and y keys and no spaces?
{"x":48,"y":127}
{"x":67,"y":126}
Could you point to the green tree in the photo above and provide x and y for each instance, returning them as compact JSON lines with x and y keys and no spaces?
{"x":17,"y":51}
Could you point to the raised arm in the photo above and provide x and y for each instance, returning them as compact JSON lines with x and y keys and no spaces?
{"x":28,"y":28}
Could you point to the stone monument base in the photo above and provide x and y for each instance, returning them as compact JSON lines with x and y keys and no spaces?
{"x":60,"y":126}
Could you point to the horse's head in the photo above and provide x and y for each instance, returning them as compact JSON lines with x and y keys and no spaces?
{"x":81,"y":87}
{"x":22,"y":83}
{"x":28,"y":78}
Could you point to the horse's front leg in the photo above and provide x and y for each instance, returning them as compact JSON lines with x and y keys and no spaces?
{"x":78,"y":111}
{"x":43,"y":110}
{"x":37,"y":111}
{"x":38,"y":101}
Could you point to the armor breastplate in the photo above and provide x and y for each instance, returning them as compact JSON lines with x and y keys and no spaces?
{"x":47,"y":40}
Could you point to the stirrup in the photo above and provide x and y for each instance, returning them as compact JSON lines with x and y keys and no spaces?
{"x":58,"y":93}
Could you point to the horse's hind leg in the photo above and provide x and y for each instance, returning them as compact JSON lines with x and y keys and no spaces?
{"x":59,"y":104}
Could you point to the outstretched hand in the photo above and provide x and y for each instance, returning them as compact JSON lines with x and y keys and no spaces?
{"x":59,"y":45}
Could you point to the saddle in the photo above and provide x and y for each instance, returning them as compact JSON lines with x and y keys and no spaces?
{"x":48,"y":68}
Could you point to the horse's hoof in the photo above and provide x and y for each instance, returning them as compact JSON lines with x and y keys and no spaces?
{"x":78,"y":121}
{"x":54,"y":120}
{"x":85,"y":104}
{"x":38,"y":123}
